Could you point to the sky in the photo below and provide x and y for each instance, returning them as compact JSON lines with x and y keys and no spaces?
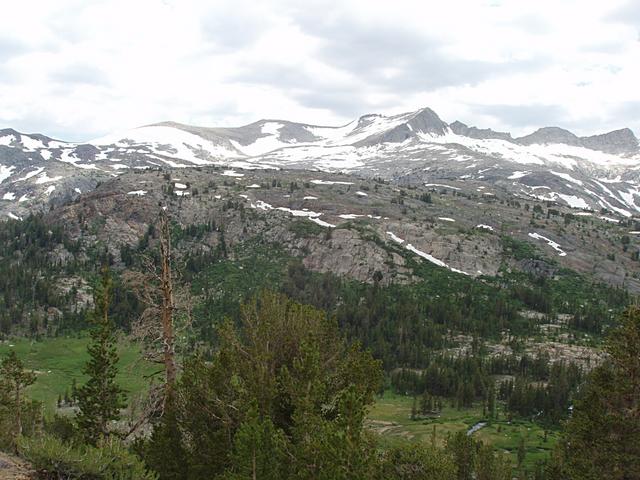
{"x":79,"y":69}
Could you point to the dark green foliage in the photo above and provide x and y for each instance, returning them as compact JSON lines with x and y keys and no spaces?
{"x":520,"y":250}
{"x":284,"y":373}
{"x":33,"y":256}
{"x":13,"y":405}
{"x":602,"y":438}
{"x":548,"y":402}
{"x":259,"y":450}
{"x":61,"y":427}
{"x":474,"y":460}
{"x":100,"y":398}
{"x":28,"y":272}
{"x":165,"y":451}
{"x":462,"y":448}
{"x":305,"y":228}
{"x":426,"y":197}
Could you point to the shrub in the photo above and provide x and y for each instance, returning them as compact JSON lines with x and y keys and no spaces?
{"x":53,"y":458}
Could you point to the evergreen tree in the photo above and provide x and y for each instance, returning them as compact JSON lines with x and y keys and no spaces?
{"x":415,"y":462}
{"x":13,"y":380}
{"x":165,"y":452}
{"x":101,"y":398}
{"x":259,"y":450}
{"x":602,"y":438}
{"x":289,"y":364}
{"x":462,"y":448}
{"x":491,"y":401}
{"x":522,"y":451}
{"x":489,"y":466}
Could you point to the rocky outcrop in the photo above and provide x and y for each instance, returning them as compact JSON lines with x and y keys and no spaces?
{"x":460,"y":128}
{"x":617,"y":142}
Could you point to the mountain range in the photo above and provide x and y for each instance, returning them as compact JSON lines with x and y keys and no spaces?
{"x":551,"y":164}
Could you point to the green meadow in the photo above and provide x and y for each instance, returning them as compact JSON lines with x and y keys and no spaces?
{"x":390,"y":416}
{"x":57,"y":361}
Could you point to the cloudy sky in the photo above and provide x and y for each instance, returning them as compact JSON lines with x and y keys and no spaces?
{"x":78,"y":69}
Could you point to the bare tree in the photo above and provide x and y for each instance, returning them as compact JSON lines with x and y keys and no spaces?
{"x":168,"y":306}
{"x":156,"y":328}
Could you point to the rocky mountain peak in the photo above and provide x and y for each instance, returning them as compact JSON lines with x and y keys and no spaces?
{"x":427,"y":121}
{"x":460,"y":128}
{"x":621,"y":141}
{"x":550,"y":135}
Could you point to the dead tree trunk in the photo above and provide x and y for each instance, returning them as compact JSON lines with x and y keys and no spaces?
{"x":166,"y":312}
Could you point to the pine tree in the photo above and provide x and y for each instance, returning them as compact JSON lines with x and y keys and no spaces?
{"x":165,"y":451}
{"x":462,"y":448}
{"x":14,"y":380}
{"x":522,"y":452}
{"x":414,"y":408}
{"x":491,"y":401}
{"x":602,"y":438}
{"x":101,"y":398}
{"x":259,"y":450}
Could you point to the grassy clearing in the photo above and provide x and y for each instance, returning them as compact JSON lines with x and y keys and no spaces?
{"x":57,"y":361}
{"x":390,"y":416}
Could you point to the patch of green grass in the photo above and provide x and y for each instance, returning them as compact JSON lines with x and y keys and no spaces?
{"x":519,"y":249}
{"x":57,"y":361}
{"x":390,"y":416}
{"x":305,"y":228}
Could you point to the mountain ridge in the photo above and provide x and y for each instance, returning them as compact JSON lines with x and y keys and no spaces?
{"x":551,"y":164}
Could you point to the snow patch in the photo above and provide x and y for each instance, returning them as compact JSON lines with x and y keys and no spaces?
{"x":329,"y":182}
{"x":517,"y":174}
{"x":424,"y":255}
{"x":433,"y":259}
{"x":551,"y":243}
{"x":138,"y":193}
{"x":5,"y":172}
{"x":44,"y":178}
{"x":31,"y":144}
{"x":573,"y":201}
{"x":395,"y":238}
{"x":567,"y":177}
{"x":440,"y":185}
{"x":232,"y":173}
{"x":322,"y":223}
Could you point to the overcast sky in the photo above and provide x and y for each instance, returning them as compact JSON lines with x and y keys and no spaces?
{"x":78,"y":69}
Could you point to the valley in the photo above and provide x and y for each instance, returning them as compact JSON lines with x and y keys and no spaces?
{"x":485,"y":292}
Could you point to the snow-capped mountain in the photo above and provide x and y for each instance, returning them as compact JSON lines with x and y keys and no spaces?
{"x":552,"y":164}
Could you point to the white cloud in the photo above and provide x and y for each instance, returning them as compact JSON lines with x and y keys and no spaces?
{"x":80,"y":69}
